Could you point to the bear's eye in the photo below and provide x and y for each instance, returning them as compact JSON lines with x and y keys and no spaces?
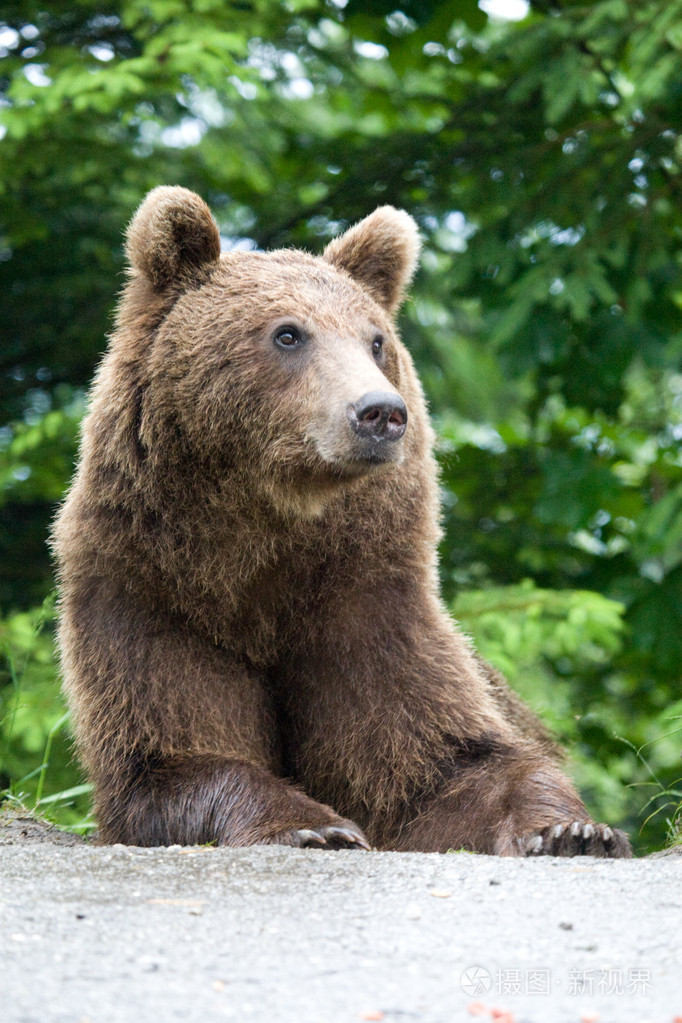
{"x":377,"y":346}
{"x":288,"y":337}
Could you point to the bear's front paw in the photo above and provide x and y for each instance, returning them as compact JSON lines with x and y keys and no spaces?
{"x":344,"y":835}
{"x":578,"y":838}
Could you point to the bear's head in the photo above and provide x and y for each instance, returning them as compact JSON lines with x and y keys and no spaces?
{"x":277,"y":360}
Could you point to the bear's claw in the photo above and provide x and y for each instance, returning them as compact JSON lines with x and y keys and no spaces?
{"x":578,"y":838}
{"x":328,"y":836}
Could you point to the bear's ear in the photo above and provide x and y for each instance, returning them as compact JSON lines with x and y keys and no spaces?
{"x":172,"y":236}
{"x":380,"y":253}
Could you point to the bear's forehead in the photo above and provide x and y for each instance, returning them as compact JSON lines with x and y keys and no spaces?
{"x":294,"y":281}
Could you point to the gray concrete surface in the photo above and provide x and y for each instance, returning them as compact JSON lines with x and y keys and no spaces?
{"x":102,"y":935}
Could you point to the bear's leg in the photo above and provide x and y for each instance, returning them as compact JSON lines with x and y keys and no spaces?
{"x":179,"y":737}
{"x":198,"y":799}
{"x":513,"y":802}
{"x":398,"y":725}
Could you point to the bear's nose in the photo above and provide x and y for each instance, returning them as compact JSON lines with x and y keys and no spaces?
{"x":379,"y":416}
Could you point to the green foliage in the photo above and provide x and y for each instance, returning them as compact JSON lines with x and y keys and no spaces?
{"x":542,"y":161}
{"x":516,"y":627}
{"x":34,"y":742}
{"x":36,"y":460}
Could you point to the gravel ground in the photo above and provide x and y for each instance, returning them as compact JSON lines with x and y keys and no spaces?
{"x":102,"y":935}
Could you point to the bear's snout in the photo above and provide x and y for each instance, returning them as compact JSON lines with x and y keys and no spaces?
{"x":378,"y":416}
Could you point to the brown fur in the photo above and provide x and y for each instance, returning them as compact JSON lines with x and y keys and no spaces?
{"x":253,"y":642}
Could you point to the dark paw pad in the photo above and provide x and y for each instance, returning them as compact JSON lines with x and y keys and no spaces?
{"x":344,"y":835}
{"x":578,"y":838}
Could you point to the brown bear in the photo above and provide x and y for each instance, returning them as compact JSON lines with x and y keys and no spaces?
{"x":253,"y":643}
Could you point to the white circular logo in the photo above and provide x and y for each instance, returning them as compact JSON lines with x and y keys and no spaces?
{"x":475,"y":981}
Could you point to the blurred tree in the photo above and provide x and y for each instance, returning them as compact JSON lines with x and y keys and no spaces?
{"x":542,"y":160}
